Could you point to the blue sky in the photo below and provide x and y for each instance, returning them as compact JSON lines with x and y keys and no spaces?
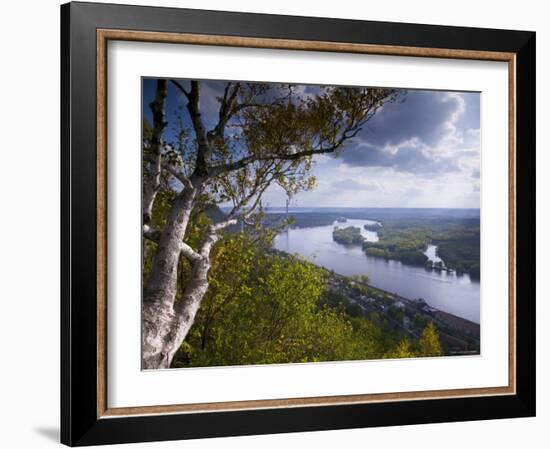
{"x":421,"y":151}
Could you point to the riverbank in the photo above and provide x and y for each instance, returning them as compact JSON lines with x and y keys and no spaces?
{"x":458,"y":336}
{"x":448,"y":291}
{"x":401,"y":234}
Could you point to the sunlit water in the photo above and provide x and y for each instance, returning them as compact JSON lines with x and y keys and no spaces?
{"x":456,"y":294}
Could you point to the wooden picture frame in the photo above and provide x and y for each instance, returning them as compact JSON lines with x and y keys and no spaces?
{"x":85,"y":418}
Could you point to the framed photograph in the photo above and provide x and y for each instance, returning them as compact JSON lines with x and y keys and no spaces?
{"x":280,"y":224}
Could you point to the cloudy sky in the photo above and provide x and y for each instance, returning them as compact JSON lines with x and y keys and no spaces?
{"x":422,"y":151}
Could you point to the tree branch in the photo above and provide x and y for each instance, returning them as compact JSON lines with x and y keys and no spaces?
{"x":180,"y":87}
{"x":193,"y":106}
{"x":189,"y":252}
{"x":227,"y":108}
{"x":154,"y":236}
{"x":222,"y":224}
{"x":241,"y":163}
{"x":151,"y":234}
{"x":349,"y":133}
{"x":174,"y":171}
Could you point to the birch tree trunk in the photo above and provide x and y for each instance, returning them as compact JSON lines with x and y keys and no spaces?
{"x":166,"y":324}
{"x":158,"y":315}
{"x":185,"y":310}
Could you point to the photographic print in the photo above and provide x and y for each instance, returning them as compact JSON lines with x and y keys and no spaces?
{"x":296,"y":223}
{"x":292,"y":235}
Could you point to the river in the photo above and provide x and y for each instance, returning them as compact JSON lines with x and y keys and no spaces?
{"x":450,"y":292}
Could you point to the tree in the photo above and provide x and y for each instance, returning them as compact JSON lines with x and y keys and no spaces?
{"x":275,"y":132}
{"x":264,"y":307}
{"x":272,"y":317}
{"x":429,"y":342}
{"x":402,"y":351}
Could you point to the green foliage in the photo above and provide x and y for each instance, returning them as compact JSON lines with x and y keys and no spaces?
{"x":406,"y":239}
{"x":419,"y":321}
{"x":338,"y":301}
{"x":370,"y":340}
{"x":429,"y":342}
{"x":401,"y":351}
{"x":413,"y":257}
{"x":147,"y":131}
{"x":428,"y":345}
{"x":359,"y":284}
{"x":348,"y":236}
{"x":375,"y":227}
{"x":460,"y":250}
{"x":407,"y":245}
{"x":264,"y":307}
{"x":474,"y":270}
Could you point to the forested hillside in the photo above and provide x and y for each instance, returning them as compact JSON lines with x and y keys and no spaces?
{"x":267,"y":307}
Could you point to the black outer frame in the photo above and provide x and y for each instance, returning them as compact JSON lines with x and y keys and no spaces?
{"x":79,"y":423}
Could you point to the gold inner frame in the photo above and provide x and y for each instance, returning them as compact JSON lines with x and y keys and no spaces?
{"x":104,"y":35}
